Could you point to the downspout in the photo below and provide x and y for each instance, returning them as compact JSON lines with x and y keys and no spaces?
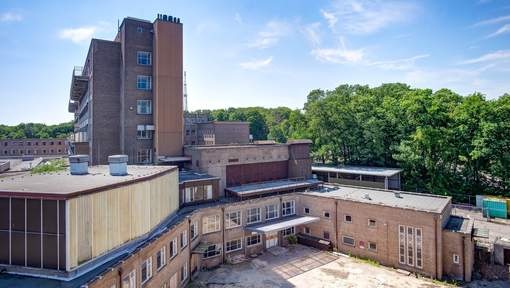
{"x":435,"y":244}
{"x":464,"y":257}
{"x":336,"y":225}
{"x":223,"y":233}
{"x":189,"y":248}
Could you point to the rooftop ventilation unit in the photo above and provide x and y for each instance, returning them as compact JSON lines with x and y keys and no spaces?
{"x":398,"y":195}
{"x":367,"y":197}
{"x":118,"y":165}
{"x":79,"y":164}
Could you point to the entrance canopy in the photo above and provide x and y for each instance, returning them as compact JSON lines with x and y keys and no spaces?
{"x":281,"y":224}
{"x":281,"y":185}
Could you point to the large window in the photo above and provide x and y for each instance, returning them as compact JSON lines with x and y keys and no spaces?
{"x":211,"y":224}
{"x":232,"y":219}
{"x":173,"y":248}
{"x":197,"y":193}
{"x":184,"y":272}
{"x":211,"y":251}
{"x":253,"y":240}
{"x":234,"y":245}
{"x":144,"y":107}
{"x":129,"y":281}
{"x":194,"y":230}
{"x":161,"y":258}
{"x":271,"y":212}
{"x":144,"y":131}
{"x":184,"y":239}
{"x":144,"y":58}
{"x":146,"y":270}
{"x":144,"y":82}
{"x":410,"y":246}
{"x":253,"y":215}
{"x":288,"y":208}
{"x":289,"y":231}
{"x":144,"y":156}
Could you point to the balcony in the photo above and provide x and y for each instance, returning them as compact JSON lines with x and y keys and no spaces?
{"x":79,"y":84}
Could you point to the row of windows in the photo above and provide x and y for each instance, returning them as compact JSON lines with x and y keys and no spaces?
{"x":33,"y":152}
{"x":35,"y":143}
{"x":270,"y":157}
{"x":253,"y":215}
{"x":410,"y":246}
{"x":146,"y":268}
{"x":350,"y":241}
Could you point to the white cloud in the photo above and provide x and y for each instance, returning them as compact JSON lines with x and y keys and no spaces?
{"x":271,"y":34}
{"x":493,"y":21}
{"x":339,"y":55}
{"x":365,"y":16}
{"x":398,"y":64}
{"x":78,"y":35}
{"x":10,"y":17}
{"x":238,"y":18}
{"x":503,"y":30}
{"x":312,"y":33}
{"x":489,"y":57}
{"x":256,"y":64}
{"x":330,"y":17}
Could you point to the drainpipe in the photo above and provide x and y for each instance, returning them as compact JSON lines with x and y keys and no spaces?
{"x":463,"y":257}
{"x":223,"y":233}
{"x":189,"y":248}
{"x":336,"y":225}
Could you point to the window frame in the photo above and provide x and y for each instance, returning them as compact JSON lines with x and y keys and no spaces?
{"x":275,"y":211}
{"x":206,"y":224}
{"x":183,"y":239}
{"x":291,"y":208}
{"x":173,"y":249}
{"x":248,"y":215}
{"x":194,"y":231}
{"x":148,"y":264}
{"x":248,"y":240}
{"x":141,"y":55}
{"x":138,"y":105}
{"x":370,"y":248}
{"x":456,"y":258}
{"x":348,"y":237}
{"x":229,"y":222}
{"x":238,"y":241}
{"x":144,"y":82}
{"x":131,"y":279}
{"x":350,"y":218}
{"x":292,"y":229}
{"x":162,"y":255}
{"x":370,"y":225}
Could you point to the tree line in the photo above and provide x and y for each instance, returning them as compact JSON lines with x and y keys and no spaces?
{"x":446,"y":143}
{"x":36,"y":130}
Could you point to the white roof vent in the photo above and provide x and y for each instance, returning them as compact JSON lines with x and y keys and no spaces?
{"x":79,"y":164}
{"x":118,"y":165}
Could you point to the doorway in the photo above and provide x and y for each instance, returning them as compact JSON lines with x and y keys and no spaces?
{"x":271,"y":239}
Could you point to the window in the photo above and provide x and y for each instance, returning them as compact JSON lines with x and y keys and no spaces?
{"x":234,"y":245}
{"x":144,"y":131}
{"x":307,"y":210}
{"x":129,"y":281}
{"x":326,"y":235}
{"x":173,"y":248}
{"x":372,"y":246}
{"x":253,"y":240}
{"x":326,"y":214}
{"x":194,"y":230}
{"x":306,"y":230}
{"x":288,"y":208}
{"x":372,"y":223}
{"x":211,"y":224}
{"x":271,"y":212}
{"x":146,"y":270}
{"x":144,"y":58}
{"x":456,"y":259}
{"x":348,"y":240}
{"x":144,"y":107}
{"x":253,"y":215}
{"x":161,"y":258}
{"x":347,"y":218}
{"x":139,"y":29}
{"x":288,"y":231}
{"x":184,"y":272}
{"x":402,"y":244}
{"x":144,"y":82}
{"x":211,"y":251}
{"x":419,"y":260}
{"x":144,"y":156}
{"x":233,"y":219}
{"x":197,"y":193}
{"x":184,"y":239}
{"x":410,"y":246}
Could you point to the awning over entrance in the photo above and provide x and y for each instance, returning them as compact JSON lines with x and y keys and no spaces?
{"x":272,"y":186}
{"x":281,"y":224}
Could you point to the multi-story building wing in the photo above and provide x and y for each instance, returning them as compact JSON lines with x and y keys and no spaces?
{"x":127,"y":99}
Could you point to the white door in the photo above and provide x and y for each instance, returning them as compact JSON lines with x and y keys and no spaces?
{"x":271,"y":240}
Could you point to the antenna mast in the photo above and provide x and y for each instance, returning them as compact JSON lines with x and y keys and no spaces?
{"x":185,"y":94}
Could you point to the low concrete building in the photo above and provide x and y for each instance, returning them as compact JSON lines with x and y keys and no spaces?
{"x":374,"y":177}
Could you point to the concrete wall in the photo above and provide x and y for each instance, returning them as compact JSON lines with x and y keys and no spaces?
{"x":462,"y":245}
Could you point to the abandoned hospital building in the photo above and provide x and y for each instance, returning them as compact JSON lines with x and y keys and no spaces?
{"x":154,"y":195}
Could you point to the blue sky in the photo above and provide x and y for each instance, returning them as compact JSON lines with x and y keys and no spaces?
{"x":264,"y":53}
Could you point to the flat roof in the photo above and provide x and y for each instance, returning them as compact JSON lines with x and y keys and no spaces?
{"x":62,"y":185}
{"x":459,"y":224}
{"x":271,"y":186}
{"x":360,"y":170}
{"x":190,"y":175}
{"x":282,"y":223}
{"x":405,"y":200}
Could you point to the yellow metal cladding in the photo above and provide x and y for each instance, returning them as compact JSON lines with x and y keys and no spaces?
{"x":102,"y":221}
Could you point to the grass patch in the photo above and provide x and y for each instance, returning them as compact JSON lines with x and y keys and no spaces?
{"x":50,"y":166}
{"x":450,"y":283}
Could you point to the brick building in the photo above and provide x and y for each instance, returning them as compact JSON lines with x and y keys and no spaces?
{"x":10,"y":148}
{"x":127,"y":98}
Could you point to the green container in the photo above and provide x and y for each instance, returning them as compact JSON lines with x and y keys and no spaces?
{"x":495,"y":208}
